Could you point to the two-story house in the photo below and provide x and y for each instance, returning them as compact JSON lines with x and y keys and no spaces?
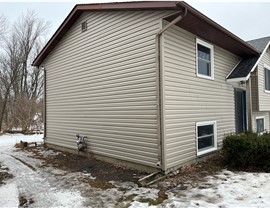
{"x":154,"y":84}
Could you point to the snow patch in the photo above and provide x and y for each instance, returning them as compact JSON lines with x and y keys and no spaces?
{"x":9,"y":195}
{"x":12,"y":139}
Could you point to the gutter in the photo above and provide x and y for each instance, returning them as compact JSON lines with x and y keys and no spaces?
{"x":159,"y":84}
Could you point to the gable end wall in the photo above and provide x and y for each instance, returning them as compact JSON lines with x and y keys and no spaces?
{"x":101,"y":83}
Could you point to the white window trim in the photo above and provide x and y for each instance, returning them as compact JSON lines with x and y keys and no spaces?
{"x":268,"y":68}
{"x":211,"y":47}
{"x":261,"y":117}
{"x":205,"y":123}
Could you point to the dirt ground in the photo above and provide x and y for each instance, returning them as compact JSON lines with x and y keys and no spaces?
{"x":104,"y":172}
{"x":4,"y":174}
{"x":193,"y":174}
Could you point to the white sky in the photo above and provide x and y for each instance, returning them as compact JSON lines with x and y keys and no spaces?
{"x":246,"y":19}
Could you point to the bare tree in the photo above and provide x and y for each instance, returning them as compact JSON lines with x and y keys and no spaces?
{"x":3,"y":26}
{"x":20,"y":82}
{"x":29,"y":30}
{"x":10,"y":65}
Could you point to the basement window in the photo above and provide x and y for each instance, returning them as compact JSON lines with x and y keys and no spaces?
{"x":260,"y":125}
{"x":84,"y":26}
{"x":206,"y":136}
{"x":205,"y":60}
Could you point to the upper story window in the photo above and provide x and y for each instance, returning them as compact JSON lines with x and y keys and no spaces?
{"x":267,"y":77}
{"x":205,"y":60}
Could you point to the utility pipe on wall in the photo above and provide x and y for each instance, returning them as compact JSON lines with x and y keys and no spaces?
{"x":159,"y":84}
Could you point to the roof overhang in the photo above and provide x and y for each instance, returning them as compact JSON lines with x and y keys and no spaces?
{"x":202,"y":26}
{"x":252,"y":67}
{"x":194,"y":22}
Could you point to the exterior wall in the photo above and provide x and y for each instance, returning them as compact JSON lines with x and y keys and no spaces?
{"x":264,"y":97}
{"x":101,"y":83}
{"x":189,"y":99}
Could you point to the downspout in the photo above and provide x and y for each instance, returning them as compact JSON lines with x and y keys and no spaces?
{"x":44,"y":102}
{"x":159,"y":84}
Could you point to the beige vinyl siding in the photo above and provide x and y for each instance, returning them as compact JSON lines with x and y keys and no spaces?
{"x":260,"y":114}
{"x":189,"y":99}
{"x":264,"y":97}
{"x":101,"y":83}
{"x":254,"y":90}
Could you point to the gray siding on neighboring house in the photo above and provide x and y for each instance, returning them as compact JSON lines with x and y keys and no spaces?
{"x":101,"y":83}
{"x":264,"y":97}
{"x":254,"y":90}
{"x":189,"y":99}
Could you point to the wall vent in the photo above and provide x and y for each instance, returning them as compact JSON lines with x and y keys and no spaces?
{"x":84,"y":26}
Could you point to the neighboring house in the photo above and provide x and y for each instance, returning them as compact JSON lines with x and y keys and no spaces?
{"x":253,"y":76}
{"x":146,"y":83}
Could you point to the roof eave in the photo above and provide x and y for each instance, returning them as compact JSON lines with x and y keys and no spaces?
{"x":241,"y":45}
{"x":238,"y":79}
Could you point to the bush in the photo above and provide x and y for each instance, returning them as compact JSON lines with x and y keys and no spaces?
{"x":248,"y":150}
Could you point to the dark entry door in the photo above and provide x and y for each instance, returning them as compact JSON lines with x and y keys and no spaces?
{"x":240,"y":111}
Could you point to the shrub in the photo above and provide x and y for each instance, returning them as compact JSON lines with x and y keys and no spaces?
{"x":247,"y":150}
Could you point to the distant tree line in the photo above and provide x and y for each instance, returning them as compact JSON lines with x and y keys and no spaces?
{"x":21,"y":85}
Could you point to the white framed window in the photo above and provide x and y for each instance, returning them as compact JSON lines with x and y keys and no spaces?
{"x":206,"y":137}
{"x":267,"y":78}
{"x":260,"y":124}
{"x":204,"y":59}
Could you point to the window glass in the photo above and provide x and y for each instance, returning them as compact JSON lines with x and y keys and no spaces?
{"x":204,"y":60}
{"x":206,"y":137}
{"x":267,"y":79}
{"x":260,"y":125}
{"x":205,"y":130}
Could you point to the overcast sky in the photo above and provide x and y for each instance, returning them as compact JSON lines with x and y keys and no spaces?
{"x":248,"y":20}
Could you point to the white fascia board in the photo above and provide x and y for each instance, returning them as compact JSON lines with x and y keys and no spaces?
{"x":240,"y":79}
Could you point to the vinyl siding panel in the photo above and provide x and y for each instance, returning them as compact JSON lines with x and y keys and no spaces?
{"x":101,"y":83}
{"x":189,"y":99}
{"x":264,"y":97}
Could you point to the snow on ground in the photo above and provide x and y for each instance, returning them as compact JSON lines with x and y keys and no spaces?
{"x":11,"y":139}
{"x":52,"y":187}
{"x":28,"y":182}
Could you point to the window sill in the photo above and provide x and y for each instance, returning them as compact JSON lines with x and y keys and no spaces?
{"x":206,"y":151}
{"x":267,"y":91}
{"x":207,"y":77}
